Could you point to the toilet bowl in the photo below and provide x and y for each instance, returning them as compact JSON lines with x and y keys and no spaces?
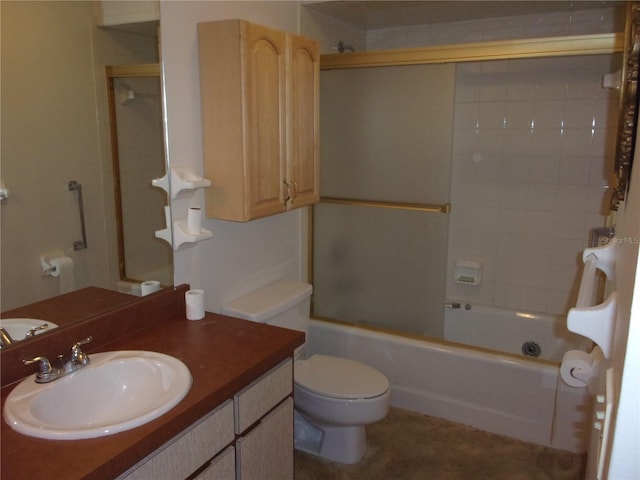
{"x":335,"y":398}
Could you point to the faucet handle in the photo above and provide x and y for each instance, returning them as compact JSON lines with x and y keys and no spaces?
{"x":32,"y":331}
{"x":45,"y":370}
{"x":77,"y":355}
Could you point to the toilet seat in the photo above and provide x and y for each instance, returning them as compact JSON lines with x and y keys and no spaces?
{"x":339,"y":378}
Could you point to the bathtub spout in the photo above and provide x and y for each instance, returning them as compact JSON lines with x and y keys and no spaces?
{"x":452,"y":305}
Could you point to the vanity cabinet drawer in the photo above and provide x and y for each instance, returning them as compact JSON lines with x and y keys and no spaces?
{"x":258,"y":398}
{"x":185,"y":454}
{"x":223,"y":467}
{"x":266,"y":452}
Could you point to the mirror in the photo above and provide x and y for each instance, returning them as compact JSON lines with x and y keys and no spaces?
{"x":56,"y":129}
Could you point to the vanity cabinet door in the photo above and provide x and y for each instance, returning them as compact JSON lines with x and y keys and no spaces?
{"x":264,"y":421}
{"x":259,"y":102}
{"x":185,"y":454}
{"x":223,"y":467}
{"x":266,"y":451}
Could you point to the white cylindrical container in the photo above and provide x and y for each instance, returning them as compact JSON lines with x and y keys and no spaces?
{"x":194,"y":300}
{"x":149,"y":287}
{"x":194,"y":220}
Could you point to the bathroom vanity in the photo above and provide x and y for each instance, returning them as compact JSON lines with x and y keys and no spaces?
{"x":235,"y":422}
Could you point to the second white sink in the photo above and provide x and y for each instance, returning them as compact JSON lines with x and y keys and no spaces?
{"x":19,"y":327}
{"x":117,"y":391}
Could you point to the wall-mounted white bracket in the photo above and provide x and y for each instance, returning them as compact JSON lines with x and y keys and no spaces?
{"x":604,"y":257}
{"x":596,"y":323}
{"x":183,"y":182}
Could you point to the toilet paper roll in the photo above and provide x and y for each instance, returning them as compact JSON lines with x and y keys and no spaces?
{"x":62,"y":268}
{"x":194,"y":300}
{"x":149,"y":287}
{"x":194,"y":220}
{"x":576,"y":362}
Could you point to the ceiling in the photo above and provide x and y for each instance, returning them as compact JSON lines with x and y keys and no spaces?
{"x":383,"y":14}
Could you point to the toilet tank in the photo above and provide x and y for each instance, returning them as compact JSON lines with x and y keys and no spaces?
{"x":283,"y":303}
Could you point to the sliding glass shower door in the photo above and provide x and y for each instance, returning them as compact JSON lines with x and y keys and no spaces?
{"x":380,"y":231}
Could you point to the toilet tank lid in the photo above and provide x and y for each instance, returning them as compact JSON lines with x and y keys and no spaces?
{"x":268,"y":301}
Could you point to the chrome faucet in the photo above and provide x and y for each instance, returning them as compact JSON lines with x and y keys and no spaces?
{"x":5,"y":338}
{"x":46,"y":373}
{"x":32,"y":331}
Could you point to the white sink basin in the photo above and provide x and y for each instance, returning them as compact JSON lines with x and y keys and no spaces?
{"x":18,"y":327}
{"x":117,"y":391}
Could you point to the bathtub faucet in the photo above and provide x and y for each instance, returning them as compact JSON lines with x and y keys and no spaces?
{"x":467,"y":306}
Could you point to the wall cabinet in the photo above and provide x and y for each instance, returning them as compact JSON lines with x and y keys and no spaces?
{"x":249,"y":437}
{"x":260,"y":119}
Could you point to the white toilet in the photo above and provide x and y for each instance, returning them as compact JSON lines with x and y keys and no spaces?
{"x":334,"y":397}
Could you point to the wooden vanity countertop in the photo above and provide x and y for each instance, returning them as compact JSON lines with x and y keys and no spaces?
{"x":224,"y":355}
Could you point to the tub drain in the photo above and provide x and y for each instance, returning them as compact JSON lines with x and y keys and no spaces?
{"x":531,"y":349}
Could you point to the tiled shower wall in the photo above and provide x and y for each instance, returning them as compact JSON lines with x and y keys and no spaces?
{"x":532,"y":148}
{"x":532,"y":152}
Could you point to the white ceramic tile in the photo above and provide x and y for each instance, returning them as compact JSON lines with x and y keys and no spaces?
{"x":572,"y":198}
{"x":604,"y":141}
{"x":515,"y":195}
{"x":574,"y":170}
{"x":507,"y":296}
{"x":548,"y":114}
{"x":519,"y":114}
{"x":534,"y":299}
{"x":579,"y":114}
{"x":516,"y":169}
{"x":512,"y":220}
{"x":510,"y":246}
{"x":490,"y":141}
{"x":488,"y":195}
{"x":544,"y":169}
{"x":491,"y":114}
{"x":577,"y":141}
{"x":546,"y":141}
{"x":540,"y":222}
{"x":569,"y":225}
{"x":600,"y":171}
{"x":518,"y":142}
{"x":510,"y":271}
{"x":535,"y":273}
{"x":567,"y":251}
{"x":542,"y":196}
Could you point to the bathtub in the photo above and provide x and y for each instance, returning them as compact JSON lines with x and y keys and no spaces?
{"x":513,"y":395}
{"x":518,"y":332}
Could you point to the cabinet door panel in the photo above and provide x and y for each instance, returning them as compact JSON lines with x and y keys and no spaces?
{"x":223,"y":467}
{"x":184,"y":455}
{"x":265,"y":113}
{"x":262,"y":395}
{"x":266,"y":452}
{"x":303,"y":121}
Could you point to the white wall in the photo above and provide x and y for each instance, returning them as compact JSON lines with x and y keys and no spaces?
{"x":624,"y":443}
{"x":241,"y":256}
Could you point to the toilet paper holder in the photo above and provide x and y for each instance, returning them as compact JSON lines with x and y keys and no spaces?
{"x":48,"y":269}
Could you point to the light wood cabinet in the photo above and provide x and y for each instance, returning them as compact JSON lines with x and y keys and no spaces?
{"x":260,"y":119}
